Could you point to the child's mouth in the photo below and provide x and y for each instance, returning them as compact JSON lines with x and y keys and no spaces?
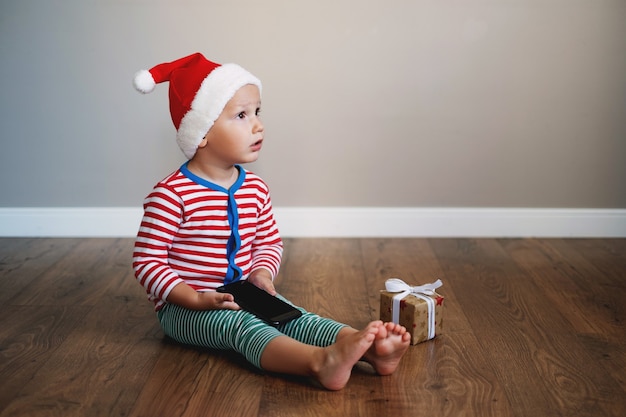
{"x":257,"y":145}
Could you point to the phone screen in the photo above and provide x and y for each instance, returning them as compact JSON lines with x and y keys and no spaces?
{"x":258,"y":302}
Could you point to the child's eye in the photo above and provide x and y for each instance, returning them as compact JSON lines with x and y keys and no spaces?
{"x":258,"y":111}
{"x":241,"y":115}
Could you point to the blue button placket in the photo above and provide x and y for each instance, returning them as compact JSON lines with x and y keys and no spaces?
{"x":234,"y":241}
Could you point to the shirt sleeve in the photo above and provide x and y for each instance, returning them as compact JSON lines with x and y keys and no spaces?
{"x":267,"y":248}
{"x":160,"y":223}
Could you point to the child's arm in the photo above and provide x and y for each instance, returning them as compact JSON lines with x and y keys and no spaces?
{"x":185,"y":296}
{"x":267,"y":250}
{"x":160,"y":222}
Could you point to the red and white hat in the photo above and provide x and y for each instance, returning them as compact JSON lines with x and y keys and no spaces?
{"x":199,"y":91}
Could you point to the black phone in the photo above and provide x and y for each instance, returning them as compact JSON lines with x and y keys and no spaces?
{"x":260,"y":303}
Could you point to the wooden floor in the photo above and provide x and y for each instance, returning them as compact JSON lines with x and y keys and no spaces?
{"x":531,"y":328}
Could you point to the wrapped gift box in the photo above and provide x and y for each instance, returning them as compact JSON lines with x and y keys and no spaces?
{"x":419,"y":309}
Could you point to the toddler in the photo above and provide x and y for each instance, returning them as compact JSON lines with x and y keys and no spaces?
{"x":210,"y":223}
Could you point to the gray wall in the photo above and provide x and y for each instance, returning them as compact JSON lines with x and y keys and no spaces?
{"x":475,"y":103}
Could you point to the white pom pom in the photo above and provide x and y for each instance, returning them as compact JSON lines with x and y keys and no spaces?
{"x":143,"y":82}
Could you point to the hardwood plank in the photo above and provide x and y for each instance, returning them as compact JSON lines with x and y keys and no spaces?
{"x":609,"y":355}
{"x":98,"y":370}
{"x":186,"y":381}
{"x":23,"y":260}
{"x":81,"y":276}
{"x":448,"y":376}
{"x":595,"y":311}
{"x":607,"y":255}
{"x":606,"y":269}
{"x":28,"y":337}
{"x":564,"y":276}
{"x":533,"y":349}
{"x":361,"y":397}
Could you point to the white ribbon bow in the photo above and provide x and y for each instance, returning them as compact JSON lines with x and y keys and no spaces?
{"x":419,"y":291}
{"x":397,"y":285}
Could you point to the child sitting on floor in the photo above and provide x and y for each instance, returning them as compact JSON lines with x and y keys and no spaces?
{"x":210,"y":223}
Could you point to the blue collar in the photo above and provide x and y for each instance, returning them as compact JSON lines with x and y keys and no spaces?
{"x":201,"y":181}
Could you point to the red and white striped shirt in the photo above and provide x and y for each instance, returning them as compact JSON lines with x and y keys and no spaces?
{"x":203,"y":234}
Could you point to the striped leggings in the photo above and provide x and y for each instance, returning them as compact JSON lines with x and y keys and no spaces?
{"x":242,"y":331}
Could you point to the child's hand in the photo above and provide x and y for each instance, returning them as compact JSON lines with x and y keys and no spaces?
{"x":262,"y":279}
{"x":213,"y":300}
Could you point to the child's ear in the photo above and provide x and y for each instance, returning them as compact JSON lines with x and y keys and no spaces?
{"x":203,"y":142}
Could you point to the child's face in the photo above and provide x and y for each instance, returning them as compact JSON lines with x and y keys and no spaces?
{"x":237,"y":134}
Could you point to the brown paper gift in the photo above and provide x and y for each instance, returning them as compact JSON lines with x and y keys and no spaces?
{"x":414,"y":308}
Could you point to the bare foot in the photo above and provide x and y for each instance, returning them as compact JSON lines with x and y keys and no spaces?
{"x":338,"y":359}
{"x":390,"y":344}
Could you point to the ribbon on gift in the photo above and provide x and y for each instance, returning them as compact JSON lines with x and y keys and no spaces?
{"x":419,"y":291}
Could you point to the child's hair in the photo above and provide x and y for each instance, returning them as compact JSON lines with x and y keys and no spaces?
{"x":199,"y":91}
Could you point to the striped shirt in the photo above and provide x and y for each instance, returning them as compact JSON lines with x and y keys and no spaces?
{"x":198,"y":232}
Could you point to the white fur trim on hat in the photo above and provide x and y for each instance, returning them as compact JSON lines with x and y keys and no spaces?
{"x":214,"y":93}
{"x":144,"y":82}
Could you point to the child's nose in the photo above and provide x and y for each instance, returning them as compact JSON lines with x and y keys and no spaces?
{"x":258,"y":125}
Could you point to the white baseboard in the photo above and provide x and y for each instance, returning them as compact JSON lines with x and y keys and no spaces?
{"x":339,"y":222}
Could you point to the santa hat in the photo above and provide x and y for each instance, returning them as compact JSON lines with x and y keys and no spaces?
{"x":199,"y":91}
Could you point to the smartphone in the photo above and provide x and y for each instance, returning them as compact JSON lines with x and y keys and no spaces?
{"x":260,"y":303}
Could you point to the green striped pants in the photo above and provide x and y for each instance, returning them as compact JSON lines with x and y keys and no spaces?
{"x":241,"y":331}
